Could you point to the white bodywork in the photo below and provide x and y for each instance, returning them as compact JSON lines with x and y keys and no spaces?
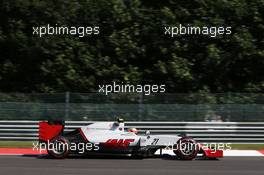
{"x":101,"y":132}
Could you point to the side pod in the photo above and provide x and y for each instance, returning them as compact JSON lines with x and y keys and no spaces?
{"x":49,"y":130}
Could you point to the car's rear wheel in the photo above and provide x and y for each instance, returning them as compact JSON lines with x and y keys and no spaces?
{"x":186,"y":148}
{"x":59,"y":147}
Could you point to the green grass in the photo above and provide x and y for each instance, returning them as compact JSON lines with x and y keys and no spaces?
{"x":16,"y":144}
{"x":247,"y":146}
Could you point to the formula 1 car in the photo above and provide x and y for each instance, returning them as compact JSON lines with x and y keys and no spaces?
{"x":104,"y":138}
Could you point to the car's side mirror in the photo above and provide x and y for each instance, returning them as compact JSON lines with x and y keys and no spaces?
{"x":147,"y":132}
{"x":120,"y":120}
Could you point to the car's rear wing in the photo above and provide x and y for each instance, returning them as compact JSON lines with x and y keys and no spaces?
{"x":50,"y":129}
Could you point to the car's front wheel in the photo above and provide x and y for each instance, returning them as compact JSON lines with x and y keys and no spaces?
{"x":58,"y":147}
{"x":186,"y":148}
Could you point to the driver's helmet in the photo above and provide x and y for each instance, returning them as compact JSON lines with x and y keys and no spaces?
{"x":134,"y":130}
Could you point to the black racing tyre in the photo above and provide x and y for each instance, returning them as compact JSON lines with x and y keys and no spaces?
{"x":59,"y":147}
{"x":186,"y":148}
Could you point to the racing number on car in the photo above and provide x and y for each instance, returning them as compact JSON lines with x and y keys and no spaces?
{"x":155,"y":141}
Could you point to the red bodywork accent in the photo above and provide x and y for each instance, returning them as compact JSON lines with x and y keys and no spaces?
{"x":213,"y":153}
{"x":48,"y":131}
{"x":118,"y":142}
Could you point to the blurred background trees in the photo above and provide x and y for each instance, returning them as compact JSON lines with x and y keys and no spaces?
{"x":132,"y":46}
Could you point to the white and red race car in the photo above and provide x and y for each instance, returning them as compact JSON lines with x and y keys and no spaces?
{"x":108,"y":138}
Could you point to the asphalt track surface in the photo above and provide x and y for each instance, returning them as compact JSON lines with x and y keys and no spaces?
{"x":12,"y":165}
